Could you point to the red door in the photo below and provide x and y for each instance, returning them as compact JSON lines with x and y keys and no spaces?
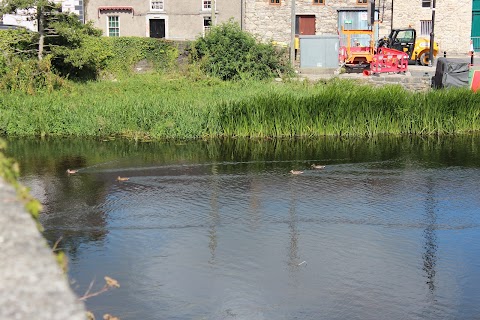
{"x":305,"y":25}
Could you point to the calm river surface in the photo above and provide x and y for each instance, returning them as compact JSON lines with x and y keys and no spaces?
{"x":390,"y":229}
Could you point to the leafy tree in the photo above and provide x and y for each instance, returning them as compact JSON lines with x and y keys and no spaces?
{"x":39,"y":10}
{"x":77,"y":49}
{"x":231,"y":53}
{"x":74,"y":48}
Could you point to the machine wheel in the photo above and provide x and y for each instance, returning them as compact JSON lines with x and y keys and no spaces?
{"x":424,"y":58}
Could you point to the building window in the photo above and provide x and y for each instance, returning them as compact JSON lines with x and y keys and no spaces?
{"x":275,"y":2}
{"x":113,"y":26}
{"x":206,"y":4}
{"x":425,"y":27}
{"x":362,"y":1}
{"x":207,"y":25}
{"x":156,"y":5}
{"x":318,"y":1}
{"x":426,"y":3}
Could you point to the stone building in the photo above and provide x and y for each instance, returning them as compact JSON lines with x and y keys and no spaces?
{"x":453,"y":22}
{"x":271,"y":19}
{"x":174,"y":20}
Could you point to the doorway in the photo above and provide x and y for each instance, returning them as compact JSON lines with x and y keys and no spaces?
{"x":157,"y":28}
{"x":305,"y":25}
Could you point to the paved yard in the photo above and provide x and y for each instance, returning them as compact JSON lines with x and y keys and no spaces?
{"x":416,"y":78}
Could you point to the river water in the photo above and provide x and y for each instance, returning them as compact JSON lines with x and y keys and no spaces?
{"x":389,"y":229}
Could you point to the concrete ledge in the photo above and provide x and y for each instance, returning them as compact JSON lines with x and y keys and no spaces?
{"x":32,"y":285}
{"x":416,"y":79}
{"x":317,"y":70}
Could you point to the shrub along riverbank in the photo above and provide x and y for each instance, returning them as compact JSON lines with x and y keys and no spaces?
{"x":172,"y":106}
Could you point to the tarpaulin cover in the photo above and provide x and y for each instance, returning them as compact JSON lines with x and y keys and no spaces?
{"x":451,"y":73}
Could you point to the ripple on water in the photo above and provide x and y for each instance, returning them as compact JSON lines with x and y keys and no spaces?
{"x":378,"y":240}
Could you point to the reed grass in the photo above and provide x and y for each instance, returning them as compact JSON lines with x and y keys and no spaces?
{"x":345,"y":109}
{"x":174,"y":106}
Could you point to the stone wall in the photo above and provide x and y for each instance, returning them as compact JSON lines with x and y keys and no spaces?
{"x":32,"y":285}
{"x":453,"y":21}
{"x":273,"y":22}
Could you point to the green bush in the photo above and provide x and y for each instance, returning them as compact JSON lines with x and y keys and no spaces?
{"x":19,"y":42}
{"x":79,"y":53}
{"x":127,"y":51}
{"x":71,"y":50}
{"x":28,"y":75}
{"x":15,"y":45}
{"x":229,"y":53}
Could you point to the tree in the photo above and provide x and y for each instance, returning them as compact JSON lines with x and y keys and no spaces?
{"x":77,"y":49}
{"x":74,"y":48}
{"x":39,"y":11}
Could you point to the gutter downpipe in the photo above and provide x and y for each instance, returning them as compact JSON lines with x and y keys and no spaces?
{"x":292,"y":40}
{"x":242,"y":3}
{"x":391,"y":19}
{"x":432,"y":36}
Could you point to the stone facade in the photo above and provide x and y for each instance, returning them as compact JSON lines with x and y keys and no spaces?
{"x":453,"y":22}
{"x":273,"y":22}
{"x":183,"y":19}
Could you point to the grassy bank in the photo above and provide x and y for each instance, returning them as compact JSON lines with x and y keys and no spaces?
{"x":162,"y":107}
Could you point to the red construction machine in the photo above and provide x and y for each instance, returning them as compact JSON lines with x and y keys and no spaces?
{"x":367,"y":58}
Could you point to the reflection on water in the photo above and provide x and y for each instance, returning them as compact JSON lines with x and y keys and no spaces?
{"x":429,"y":257}
{"x":221,"y":230}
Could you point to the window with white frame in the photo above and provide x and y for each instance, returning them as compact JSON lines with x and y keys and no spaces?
{"x":113,"y":26}
{"x":157,"y":5}
{"x":206,"y":4}
{"x":425,"y":27}
{"x":207,"y":25}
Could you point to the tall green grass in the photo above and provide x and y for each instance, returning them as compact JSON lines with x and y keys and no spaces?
{"x":172,"y":106}
{"x":345,"y":109}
